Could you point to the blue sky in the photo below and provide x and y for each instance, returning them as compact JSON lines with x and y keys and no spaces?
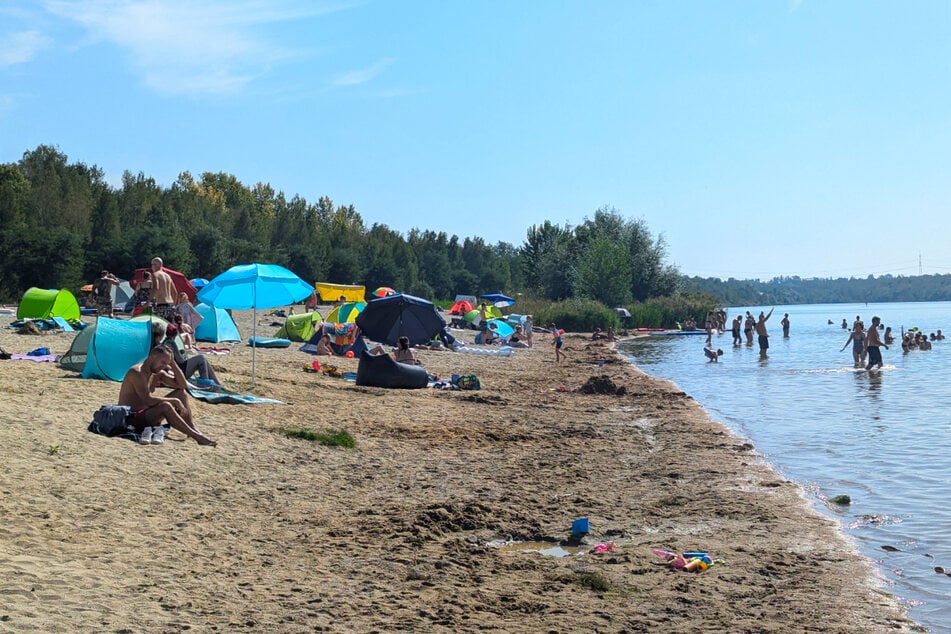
{"x":760,"y":138}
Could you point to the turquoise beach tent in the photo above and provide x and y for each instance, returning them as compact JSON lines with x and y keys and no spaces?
{"x":108,"y":348}
{"x":502,"y":327}
{"x":114,"y":347}
{"x":216,"y":325}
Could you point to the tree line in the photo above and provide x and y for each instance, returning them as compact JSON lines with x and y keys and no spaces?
{"x":61,"y":223}
{"x":796,"y":290}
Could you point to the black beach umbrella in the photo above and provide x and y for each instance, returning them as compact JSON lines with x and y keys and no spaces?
{"x":389,"y":318}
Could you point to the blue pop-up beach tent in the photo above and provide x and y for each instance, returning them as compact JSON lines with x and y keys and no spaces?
{"x":108,"y":348}
{"x":216,"y":325}
{"x":114,"y":346}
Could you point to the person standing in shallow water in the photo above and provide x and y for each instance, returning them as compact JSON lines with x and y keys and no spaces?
{"x":737,"y":325}
{"x":873,"y":343}
{"x":785,"y":325}
{"x":762,"y":335}
{"x":857,"y":339}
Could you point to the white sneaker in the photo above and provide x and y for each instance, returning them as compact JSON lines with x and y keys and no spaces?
{"x":145,"y":437}
{"x":158,"y":435}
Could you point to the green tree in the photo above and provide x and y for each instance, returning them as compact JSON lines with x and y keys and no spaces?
{"x":604,"y":273}
{"x":432,"y":254}
{"x":14,"y":196}
{"x":548,"y":260}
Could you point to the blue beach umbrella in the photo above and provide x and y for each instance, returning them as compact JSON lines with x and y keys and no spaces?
{"x":254,"y":286}
{"x":500,"y":300}
{"x":199,"y":282}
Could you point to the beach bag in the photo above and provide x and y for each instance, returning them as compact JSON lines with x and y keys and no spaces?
{"x":467,"y":382}
{"x":110,"y":420}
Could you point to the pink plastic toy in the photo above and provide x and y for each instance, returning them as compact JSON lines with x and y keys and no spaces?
{"x":695,"y":561}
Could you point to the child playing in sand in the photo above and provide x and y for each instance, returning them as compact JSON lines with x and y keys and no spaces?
{"x":557,"y":341}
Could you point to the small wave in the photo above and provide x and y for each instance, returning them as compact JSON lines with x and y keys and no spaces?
{"x":844,"y":370}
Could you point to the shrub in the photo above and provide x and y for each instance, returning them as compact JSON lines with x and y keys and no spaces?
{"x":667,"y":312}
{"x":579,"y":315}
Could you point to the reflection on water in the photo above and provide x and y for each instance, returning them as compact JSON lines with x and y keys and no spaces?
{"x":549,"y":549}
{"x":877,"y":436}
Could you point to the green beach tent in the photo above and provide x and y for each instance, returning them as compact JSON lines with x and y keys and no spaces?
{"x":299,"y":327}
{"x":491,"y":312}
{"x":40,"y":303}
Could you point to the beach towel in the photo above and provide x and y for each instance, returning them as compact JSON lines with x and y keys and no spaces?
{"x":34,"y":326}
{"x":212,"y":350}
{"x":219,"y":396}
{"x":189,"y":315}
{"x":39,"y":358}
{"x":343,"y":333}
{"x":62,"y":323}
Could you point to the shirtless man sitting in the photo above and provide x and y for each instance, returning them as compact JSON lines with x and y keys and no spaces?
{"x":149,"y":410}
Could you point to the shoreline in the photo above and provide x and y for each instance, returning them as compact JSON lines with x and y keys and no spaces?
{"x":269,"y":533}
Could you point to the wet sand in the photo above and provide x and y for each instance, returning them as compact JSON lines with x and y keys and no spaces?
{"x":266,"y":533}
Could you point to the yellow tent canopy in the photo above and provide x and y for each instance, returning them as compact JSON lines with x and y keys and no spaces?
{"x":331,"y":293}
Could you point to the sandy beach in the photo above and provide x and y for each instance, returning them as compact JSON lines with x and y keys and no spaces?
{"x":266,"y":533}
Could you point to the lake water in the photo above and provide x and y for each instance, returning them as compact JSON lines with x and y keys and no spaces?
{"x":882,"y":438}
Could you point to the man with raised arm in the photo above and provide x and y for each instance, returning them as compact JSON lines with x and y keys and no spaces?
{"x":148,"y":410}
{"x":762,"y":335}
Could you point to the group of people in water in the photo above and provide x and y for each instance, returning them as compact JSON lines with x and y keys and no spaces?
{"x":749,"y":325}
{"x":716,"y":320}
{"x":866,"y":344}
